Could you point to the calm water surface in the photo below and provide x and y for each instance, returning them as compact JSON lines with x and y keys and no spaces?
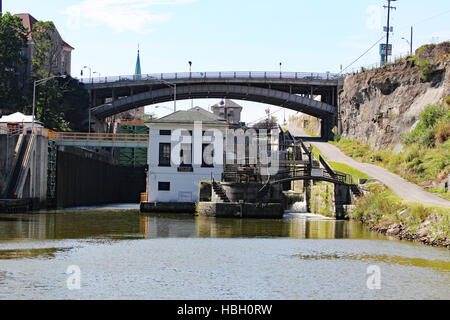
{"x":123,"y":254}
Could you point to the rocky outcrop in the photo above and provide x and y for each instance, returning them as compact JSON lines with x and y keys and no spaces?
{"x":378,"y":106}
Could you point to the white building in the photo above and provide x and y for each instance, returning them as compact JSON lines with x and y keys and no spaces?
{"x":174,"y":167}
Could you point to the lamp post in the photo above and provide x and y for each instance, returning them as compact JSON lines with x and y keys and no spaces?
{"x":36,"y":83}
{"x":190,"y":77}
{"x":90,"y":71}
{"x":174,"y":86}
{"x":95,"y":72}
{"x":280,"y":70}
{"x":410,"y":43}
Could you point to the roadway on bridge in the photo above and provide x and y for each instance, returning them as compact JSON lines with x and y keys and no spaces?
{"x":404,"y":189}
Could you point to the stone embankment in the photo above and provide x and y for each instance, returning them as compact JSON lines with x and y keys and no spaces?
{"x":378,"y":106}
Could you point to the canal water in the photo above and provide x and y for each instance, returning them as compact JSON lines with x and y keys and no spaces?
{"x":117,"y":253}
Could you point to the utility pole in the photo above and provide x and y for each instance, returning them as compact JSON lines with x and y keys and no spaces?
{"x":411,"y":42}
{"x":389,"y":7}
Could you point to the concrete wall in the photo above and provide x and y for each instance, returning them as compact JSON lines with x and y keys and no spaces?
{"x":248,"y":192}
{"x":240,"y":210}
{"x":329,"y":200}
{"x":85,"y":181}
{"x":34,"y":179}
{"x":7,"y":146}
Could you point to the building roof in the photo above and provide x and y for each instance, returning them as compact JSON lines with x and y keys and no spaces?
{"x":191,"y":115}
{"x":227,"y":103}
{"x":17,"y":118}
{"x":28,"y":22}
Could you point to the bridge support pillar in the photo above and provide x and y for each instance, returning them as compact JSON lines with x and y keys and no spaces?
{"x":341,"y":197}
{"x":326,"y":130}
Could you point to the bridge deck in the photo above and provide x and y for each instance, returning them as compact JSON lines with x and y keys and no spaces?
{"x":217,"y":75}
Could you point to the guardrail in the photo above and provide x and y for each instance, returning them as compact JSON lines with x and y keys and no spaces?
{"x":126,"y":122}
{"x":159,"y":77}
{"x":97,"y":137}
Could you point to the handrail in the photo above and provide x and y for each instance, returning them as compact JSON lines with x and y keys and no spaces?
{"x":97,"y":137}
{"x":215,"y":75}
{"x":134,"y":122}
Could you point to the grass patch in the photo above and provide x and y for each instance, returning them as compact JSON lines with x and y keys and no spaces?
{"x":341,"y":167}
{"x":380,"y":208}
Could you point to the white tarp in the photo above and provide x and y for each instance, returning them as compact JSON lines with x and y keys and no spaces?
{"x":17,"y":118}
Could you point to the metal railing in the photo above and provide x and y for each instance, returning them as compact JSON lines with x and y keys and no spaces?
{"x":134,"y":122}
{"x":157,"y":77}
{"x":97,"y":137}
{"x":377,"y":65}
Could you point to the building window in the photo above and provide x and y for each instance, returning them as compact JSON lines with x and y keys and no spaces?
{"x":186,"y":155}
{"x":163,"y":186}
{"x":208,"y":156}
{"x":165,"y":132}
{"x":164,"y":154}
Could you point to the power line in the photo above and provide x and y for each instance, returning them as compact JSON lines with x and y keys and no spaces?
{"x":386,"y":52}
{"x":255,"y":121}
{"x":401,"y":28}
{"x":378,"y":41}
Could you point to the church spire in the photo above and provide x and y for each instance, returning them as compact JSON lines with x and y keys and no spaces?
{"x":137,"y":71}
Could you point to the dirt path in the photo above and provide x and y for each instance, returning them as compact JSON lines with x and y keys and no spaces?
{"x":404,"y":189}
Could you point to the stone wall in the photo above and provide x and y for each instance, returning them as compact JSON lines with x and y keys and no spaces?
{"x":240,"y":210}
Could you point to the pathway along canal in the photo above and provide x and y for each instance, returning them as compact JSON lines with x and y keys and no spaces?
{"x":125,"y":255}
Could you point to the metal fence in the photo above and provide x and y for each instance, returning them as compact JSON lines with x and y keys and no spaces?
{"x":158,"y":77}
{"x":377,"y":65}
{"x":97,"y":137}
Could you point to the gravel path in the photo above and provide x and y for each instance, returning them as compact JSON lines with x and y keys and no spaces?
{"x":401,"y":187}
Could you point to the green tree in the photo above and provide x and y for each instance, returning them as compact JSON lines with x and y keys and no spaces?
{"x":47,"y":47}
{"x":13,"y":39}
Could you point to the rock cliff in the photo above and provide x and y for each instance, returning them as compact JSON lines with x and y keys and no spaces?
{"x":378,"y":106}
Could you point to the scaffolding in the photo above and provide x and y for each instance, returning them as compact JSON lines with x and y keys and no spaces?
{"x":133,"y":157}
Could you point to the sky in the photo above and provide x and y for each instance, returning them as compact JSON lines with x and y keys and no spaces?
{"x":233,"y":35}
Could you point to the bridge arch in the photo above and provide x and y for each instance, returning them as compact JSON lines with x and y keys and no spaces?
{"x":239,"y":92}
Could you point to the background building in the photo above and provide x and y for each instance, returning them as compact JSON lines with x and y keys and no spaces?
{"x":228,"y":110}
{"x":60,"y":50}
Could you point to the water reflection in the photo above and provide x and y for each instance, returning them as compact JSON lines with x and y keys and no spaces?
{"x":132,"y":225}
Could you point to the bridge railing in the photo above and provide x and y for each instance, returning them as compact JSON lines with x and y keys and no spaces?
{"x":97,"y":137}
{"x":158,"y":77}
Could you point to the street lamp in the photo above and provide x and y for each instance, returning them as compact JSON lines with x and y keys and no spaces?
{"x":190,"y":77}
{"x":95,"y":72}
{"x":36,"y":83}
{"x":156,"y":107}
{"x":174,"y":86}
{"x":410,"y":43}
{"x":86,"y":67}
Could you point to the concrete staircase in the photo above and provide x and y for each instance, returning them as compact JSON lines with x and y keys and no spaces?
{"x":13,"y":177}
{"x":220,"y":192}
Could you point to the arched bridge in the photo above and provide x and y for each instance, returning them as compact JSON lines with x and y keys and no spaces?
{"x":292,"y":90}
